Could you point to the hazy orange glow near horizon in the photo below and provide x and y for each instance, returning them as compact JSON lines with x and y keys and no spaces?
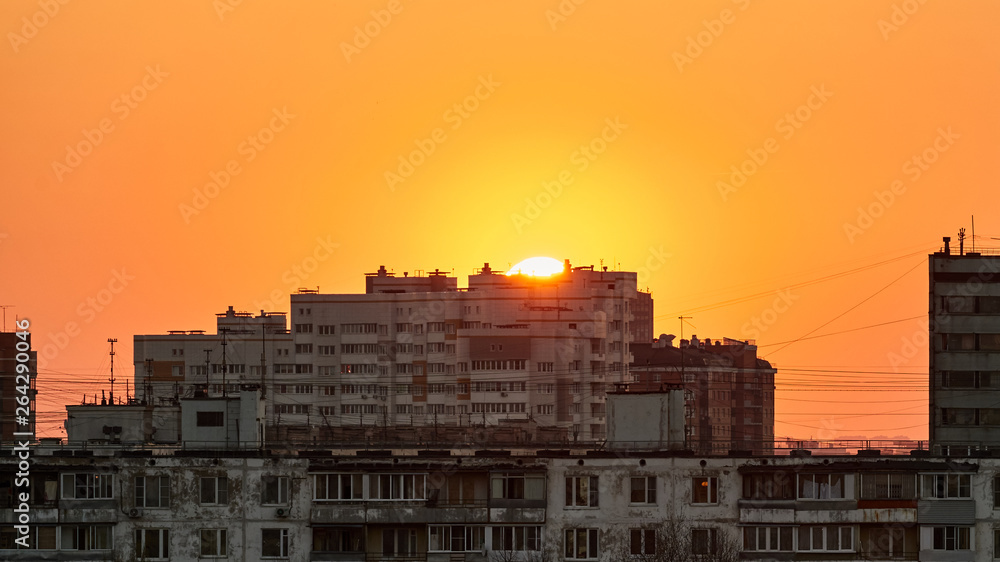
{"x":775,"y":170}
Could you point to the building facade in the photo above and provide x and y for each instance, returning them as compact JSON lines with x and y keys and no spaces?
{"x":187,"y":363}
{"x":964,"y":343}
{"x":728,"y":390}
{"x":530,"y":505}
{"x":526,"y":357}
{"x":18,"y":369}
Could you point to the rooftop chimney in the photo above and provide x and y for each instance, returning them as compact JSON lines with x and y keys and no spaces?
{"x":947,"y":250}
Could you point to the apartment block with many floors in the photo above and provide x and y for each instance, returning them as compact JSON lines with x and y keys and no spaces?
{"x":121,"y":503}
{"x":728,"y":391}
{"x":964,"y":342}
{"x":516,"y":355}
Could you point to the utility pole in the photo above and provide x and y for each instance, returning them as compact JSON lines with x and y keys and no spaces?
{"x":112,"y":341}
{"x":147,"y":389}
{"x":224,"y":389}
{"x":208,"y":368}
{"x":5,"y":307}
{"x":681,"y":344}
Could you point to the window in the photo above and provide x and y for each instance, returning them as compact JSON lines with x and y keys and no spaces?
{"x":705,"y":489}
{"x":768,"y":486}
{"x":946,"y":486}
{"x":888,"y":486}
{"x":545,"y":409}
{"x":643,"y":490}
{"x":214,"y":490}
{"x":581,"y":544}
{"x":455,"y":538}
{"x":152,"y":544}
{"x":952,"y":538}
{"x":396,"y":486}
{"x":209,"y":419}
{"x":85,"y":537}
{"x":87,"y":486}
{"x":517,"y":537}
{"x":327,"y":330}
{"x":826,"y":538}
{"x":517,"y":487}
{"x":332,"y":539}
{"x":303,"y":348}
{"x":291,"y":408}
{"x":152,"y":491}
{"x":821,"y":486}
{"x":273,"y":490}
{"x":767,"y":539}
{"x":327,"y":487}
{"x":996,"y":544}
{"x":358,"y":328}
{"x":399,"y":542}
{"x":581,"y":491}
{"x":704,"y":541}
{"x":642,"y":541}
{"x":303,"y":328}
{"x":274,"y":543}
{"x":213,"y":543}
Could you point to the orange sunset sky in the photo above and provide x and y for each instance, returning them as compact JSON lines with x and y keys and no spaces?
{"x":774,"y":169}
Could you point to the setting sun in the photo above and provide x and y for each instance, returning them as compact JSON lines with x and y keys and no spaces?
{"x":537,"y":267}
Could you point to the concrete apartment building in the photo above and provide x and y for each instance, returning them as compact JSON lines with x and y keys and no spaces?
{"x":114,"y":503}
{"x":526,"y":357}
{"x":181,"y":363}
{"x":15,"y":346}
{"x":415,"y":358}
{"x":964,"y":336}
{"x":729,"y":391}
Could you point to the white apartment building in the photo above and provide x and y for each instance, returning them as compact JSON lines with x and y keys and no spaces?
{"x":526,"y":356}
{"x":189,"y":363}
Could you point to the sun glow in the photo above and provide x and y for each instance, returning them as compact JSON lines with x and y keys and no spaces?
{"x":537,"y":267}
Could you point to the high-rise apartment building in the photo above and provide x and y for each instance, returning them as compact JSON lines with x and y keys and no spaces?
{"x":531,"y":357}
{"x":186,"y":363}
{"x":14,"y":390}
{"x":728,"y":391}
{"x":964,"y":342}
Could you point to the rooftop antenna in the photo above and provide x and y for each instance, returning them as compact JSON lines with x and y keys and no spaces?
{"x":973,"y":233}
{"x":5,"y":307}
{"x":961,"y":241}
{"x":683,"y":319}
{"x":111,"y":395}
